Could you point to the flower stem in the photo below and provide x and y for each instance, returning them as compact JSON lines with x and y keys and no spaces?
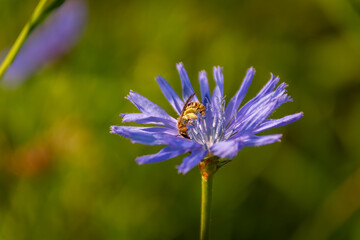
{"x":206,"y":195}
{"x":34,"y":19}
{"x":208,"y":167}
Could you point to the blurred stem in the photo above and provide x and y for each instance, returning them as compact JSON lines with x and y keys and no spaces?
{"x":206,"y":195}
{"x":33,"y":21}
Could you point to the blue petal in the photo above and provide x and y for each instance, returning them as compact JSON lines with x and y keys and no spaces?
{"x":219,"y":79}
{"x":170,"y":94}
{"x":164,"y":154}
{"x":280,"y":95}
{"x":146,"y":106}
{"x":283,"y":99}
{"x":204,"y":88}
{"x":254,"y":112}
{"x":235,"y":102}
{"x":187,"y":89}
{"x":257,"y":117}
{"x":191,"y":161}
{"x":49,"y":41}
{"x":251,"y":115}
{"x":147,"y":119}
{"x":227,"y":149}
{"x":269,"y":86}
{"x":217,"y":96}
{"x":272,"y":123}
{"x":216,"y":102}
{"x":177,"y":142}
{"x":265,"y":94}
{"x":254,"y":104}
{"x":262,"y":140}
{"x":144,"y":135}
{"x":280,"y":89}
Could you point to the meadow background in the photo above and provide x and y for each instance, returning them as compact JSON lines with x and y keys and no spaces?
{"x":64,"y":176}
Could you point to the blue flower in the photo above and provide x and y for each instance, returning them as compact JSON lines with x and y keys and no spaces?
{"x":52,"y":39}
{"x":223,"y":130}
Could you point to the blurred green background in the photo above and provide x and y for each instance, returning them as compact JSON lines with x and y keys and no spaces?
{"x":64,"y":176}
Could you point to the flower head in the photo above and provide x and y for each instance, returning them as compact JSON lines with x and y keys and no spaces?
{"x":221,"y":130}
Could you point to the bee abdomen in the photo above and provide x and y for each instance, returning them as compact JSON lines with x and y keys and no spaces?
{"x":190,"y":112}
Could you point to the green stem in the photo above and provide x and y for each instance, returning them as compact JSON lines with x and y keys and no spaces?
{"x":206,"y":194}
{"x":34,"y":19}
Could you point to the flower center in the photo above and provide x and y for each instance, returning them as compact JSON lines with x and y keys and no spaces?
{"x":211,"y":128}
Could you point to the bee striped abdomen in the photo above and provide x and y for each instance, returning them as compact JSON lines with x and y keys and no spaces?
{"x":188,"y":114}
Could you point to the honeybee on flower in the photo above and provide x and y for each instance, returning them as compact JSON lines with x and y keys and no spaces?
{"x":206,"y":128}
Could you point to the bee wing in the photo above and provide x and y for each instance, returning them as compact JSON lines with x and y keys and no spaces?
{"x":186,"y":103}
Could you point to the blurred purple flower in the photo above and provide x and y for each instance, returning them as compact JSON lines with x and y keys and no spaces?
{"x":52,"y":39}
{"x":222,"y":132}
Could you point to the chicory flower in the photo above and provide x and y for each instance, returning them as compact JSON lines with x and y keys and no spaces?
{"x":221,"y":132}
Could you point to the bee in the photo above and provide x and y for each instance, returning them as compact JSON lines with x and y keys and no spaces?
{"x":189,"y":113}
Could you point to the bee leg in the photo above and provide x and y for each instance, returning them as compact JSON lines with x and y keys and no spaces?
{"x":185,"y":136}
{"x":183,"y":132}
